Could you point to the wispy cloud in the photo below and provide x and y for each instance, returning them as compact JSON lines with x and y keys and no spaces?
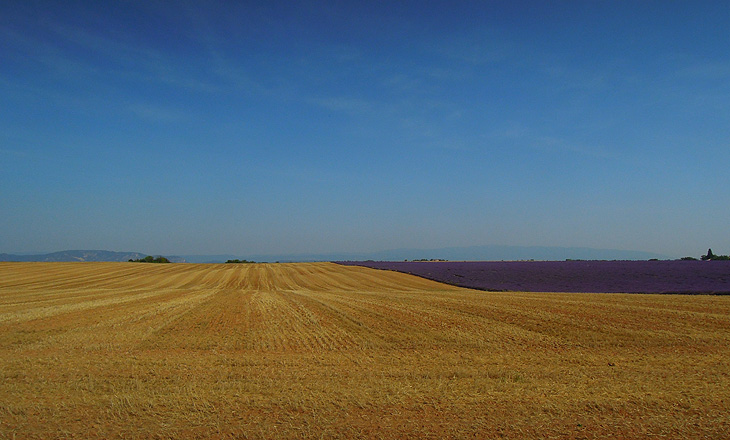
{"x":520,"y":135}
{"x":569,"y":79}
{"x":343,"y":104}
{"x":14,"y":153}
{"x":705,"y":70}
{"x":557,"y":144}
{"x":28,"y":155}
{"x":479,"y":47}
{"x":47,"y":54}
{"x":127,"y":59}
{"x":156,"y":113}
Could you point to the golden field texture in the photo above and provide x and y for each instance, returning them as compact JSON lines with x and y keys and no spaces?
{"x":318,"y":350}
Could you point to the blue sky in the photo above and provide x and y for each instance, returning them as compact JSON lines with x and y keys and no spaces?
{"x":291,"y":127}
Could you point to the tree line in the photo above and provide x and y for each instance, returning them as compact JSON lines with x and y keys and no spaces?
{"x":150,"y":259}
{"x":709,"y":257}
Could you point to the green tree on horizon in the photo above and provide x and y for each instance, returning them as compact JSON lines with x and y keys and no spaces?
{"x":712,"y":257}
{"x":150,"y":259}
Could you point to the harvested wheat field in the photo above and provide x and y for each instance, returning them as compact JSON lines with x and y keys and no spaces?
{"x":318,"y":350}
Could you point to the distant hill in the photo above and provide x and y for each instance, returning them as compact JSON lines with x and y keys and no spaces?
{"x":222,"y":258}
{"x":471,"y":253}
{"x":82,"y":255}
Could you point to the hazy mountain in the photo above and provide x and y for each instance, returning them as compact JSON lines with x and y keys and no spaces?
{"x":82,"y":255}
{"x":473,"y":253}
{"x":221,"y":258}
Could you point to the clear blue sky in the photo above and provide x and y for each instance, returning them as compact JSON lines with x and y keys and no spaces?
{"x":323,"y":126}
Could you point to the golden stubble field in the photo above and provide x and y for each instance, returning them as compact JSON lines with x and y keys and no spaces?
{"x":317,"y":350}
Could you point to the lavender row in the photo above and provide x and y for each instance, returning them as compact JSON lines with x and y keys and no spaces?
{"x":572,"y":276}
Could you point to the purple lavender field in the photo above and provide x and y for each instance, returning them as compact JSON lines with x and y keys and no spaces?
{"x":689,"y":277}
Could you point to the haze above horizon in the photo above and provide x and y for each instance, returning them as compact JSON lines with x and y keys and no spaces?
{"x":285,"y":127}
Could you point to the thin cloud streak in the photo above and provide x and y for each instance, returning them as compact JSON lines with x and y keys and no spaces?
{"x":520,"y":135}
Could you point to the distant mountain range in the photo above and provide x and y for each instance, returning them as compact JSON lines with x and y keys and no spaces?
{"x":475,"y":253}
{"x":472,"y":253}
{"x":84,"y":255}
